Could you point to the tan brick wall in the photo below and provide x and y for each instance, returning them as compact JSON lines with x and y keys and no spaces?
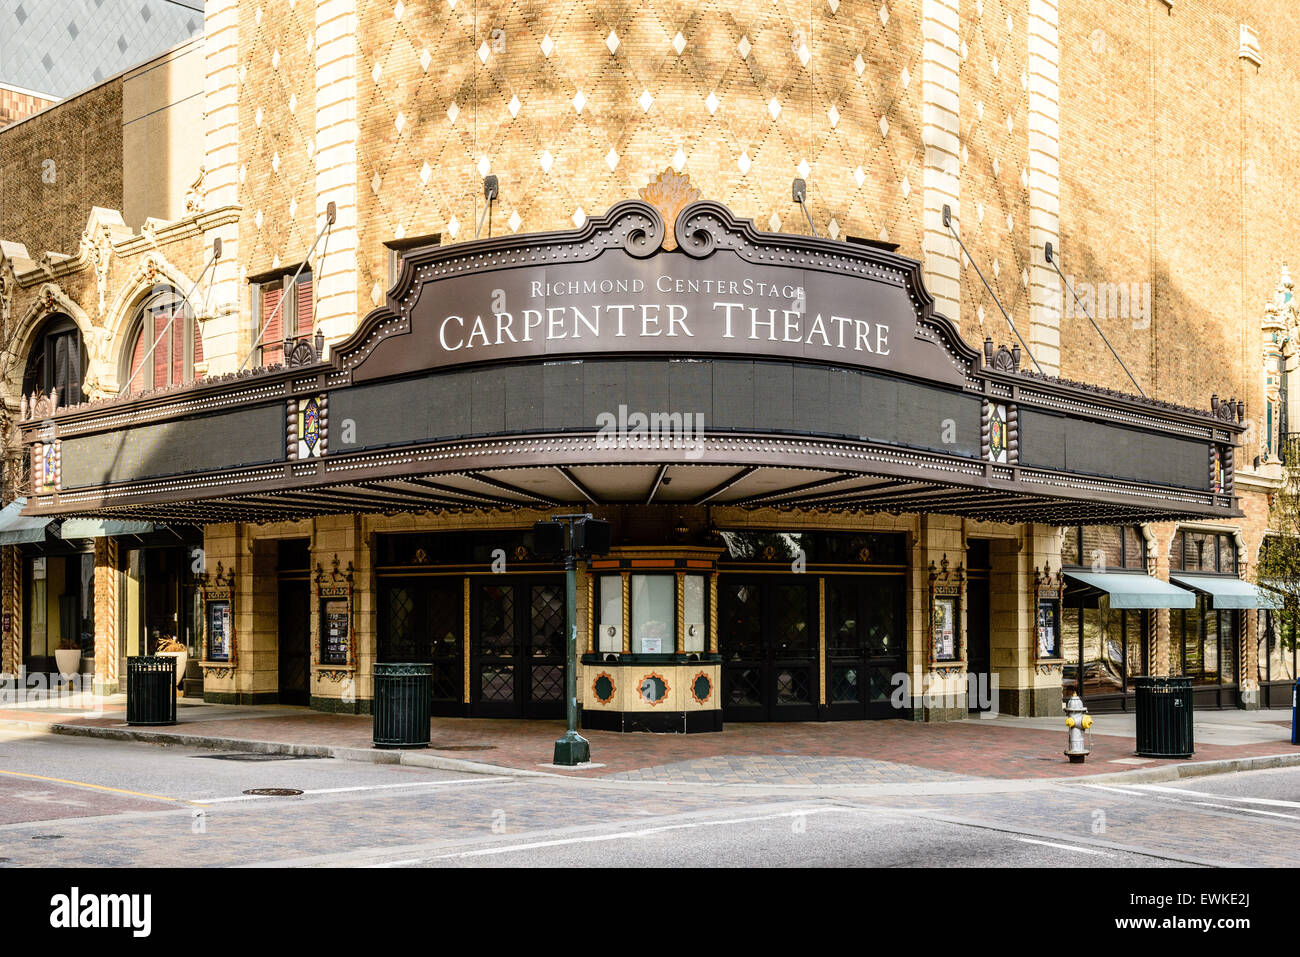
{"x":1175,"y":159}
{"x":79,"y":147}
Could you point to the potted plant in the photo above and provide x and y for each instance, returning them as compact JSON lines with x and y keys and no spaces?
{"x":68,"y":658}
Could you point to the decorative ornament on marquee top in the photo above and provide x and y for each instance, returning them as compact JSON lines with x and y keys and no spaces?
{"x":670,"y":192}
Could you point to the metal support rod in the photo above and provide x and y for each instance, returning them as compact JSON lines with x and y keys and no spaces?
{"x":799,"y":192}
{"x":216,"y":254}
{"x":490,"y":190}
{"x":330,"y":216}
{"x":1047,"y":252}
{"x":947,"y":221}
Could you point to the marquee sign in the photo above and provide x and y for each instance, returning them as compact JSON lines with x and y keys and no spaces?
{"x":612,"y":287}
{"x":815,"y":374}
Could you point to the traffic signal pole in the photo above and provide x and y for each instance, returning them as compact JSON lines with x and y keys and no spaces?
{"x":573,"y":748}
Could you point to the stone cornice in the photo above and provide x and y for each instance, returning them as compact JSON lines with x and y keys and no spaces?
{"x":55,"y":266}
{"x":1269,"y":478}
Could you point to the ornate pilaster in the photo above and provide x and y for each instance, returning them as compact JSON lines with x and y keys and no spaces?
{"x":106,"y":652}
{"x":11,"y":607}
{"x":940,"y":135}
{"x":1278,"y":329}
{"x":1044,"y":182}
{"x":337,"y":138}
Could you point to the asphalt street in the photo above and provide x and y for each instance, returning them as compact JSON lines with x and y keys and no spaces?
{"x":77,"y":801}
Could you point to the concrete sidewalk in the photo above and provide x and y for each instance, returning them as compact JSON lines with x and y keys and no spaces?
{"x":1229,"y":728}
{"x":805,"y":755}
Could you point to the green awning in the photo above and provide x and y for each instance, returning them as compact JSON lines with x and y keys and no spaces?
{"x":102,"y":528}
{"x":19,"y":529}
{"x":1136,"y":591}
{"x":1229,"y":592}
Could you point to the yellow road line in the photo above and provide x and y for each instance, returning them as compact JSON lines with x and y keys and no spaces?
{"x":96,"y":787}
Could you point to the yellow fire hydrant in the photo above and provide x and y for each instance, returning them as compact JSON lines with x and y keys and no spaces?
{"x":1078,"y":721}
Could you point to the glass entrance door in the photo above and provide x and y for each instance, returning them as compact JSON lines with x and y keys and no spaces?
{"x":518,"y":647}
{"x":865,"y":643}
{"x":421,"y":618}
{"x":767,"y":634}
{"x":294,"y":640}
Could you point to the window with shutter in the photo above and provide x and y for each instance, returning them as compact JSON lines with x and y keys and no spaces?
{"x":273,"y":320}
{"x":198,"y":346}
{"x":304,"y":314}
{"x":161,"y":352}
{"x":165,"y":325}
{"x":55,"y":361}
{"x":70,"y":382}
{"x":137,"y":356}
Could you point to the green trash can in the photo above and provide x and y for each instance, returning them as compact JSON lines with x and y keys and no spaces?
{"x":1164,"y":717}
{"x":403,"y":696}
{"x":151,"y":689}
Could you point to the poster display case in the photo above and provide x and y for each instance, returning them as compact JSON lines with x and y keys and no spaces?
{"x":947,"y":592}
{"x":334,"y":649}
{"x":220,"y":647}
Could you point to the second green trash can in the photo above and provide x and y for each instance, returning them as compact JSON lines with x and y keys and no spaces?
{"x":1164,"y":717}
{"x":403,"y":695}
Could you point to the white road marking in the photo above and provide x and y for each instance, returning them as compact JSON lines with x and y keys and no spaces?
{"x":1245,"y":810}
{"x":1102,"y":787}
{"x":643,"y":832}
{"x":365,"y":787}
{"x":1064,"y":847}
{"x":1268,"y":802}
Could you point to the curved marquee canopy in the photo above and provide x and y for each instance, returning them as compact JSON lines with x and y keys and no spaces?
{"x":623,"y":362}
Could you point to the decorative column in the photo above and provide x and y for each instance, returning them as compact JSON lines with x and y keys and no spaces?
{"x":1044,"y":183}
{"x":11,"y":591}
{"x":1279,"y":319}
{"x":940,"y":134}
{"x":219,"y":185}
{"x":1160,"y":646}
{"x":106,"y":654}
{"x":335,"y":272}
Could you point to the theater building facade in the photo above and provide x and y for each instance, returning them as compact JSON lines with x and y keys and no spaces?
{"x":445,"y":272}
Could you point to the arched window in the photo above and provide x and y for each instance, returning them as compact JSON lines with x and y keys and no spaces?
{"x":165,"y":344}
{"x":57,"y":361}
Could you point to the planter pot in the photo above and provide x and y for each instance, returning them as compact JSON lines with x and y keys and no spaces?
{"x":68,"y":661}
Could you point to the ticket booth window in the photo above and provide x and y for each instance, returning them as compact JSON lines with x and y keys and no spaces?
{"x":654,"y":614}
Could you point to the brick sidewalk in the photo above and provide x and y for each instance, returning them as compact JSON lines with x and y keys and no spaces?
{"x":805,"y":753}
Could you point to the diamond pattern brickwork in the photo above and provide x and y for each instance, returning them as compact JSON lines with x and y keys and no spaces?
{"x":994,"y":167}
{"x":277,"y":124}
{"x":577,"y":105}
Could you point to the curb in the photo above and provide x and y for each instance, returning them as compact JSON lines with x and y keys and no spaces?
{"x":1196,"y":769}
{"x":414,"y":758}
{"x":422,"y":759}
